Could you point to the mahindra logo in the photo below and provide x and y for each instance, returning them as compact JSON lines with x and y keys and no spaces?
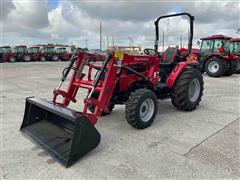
{"x":140,"y":59}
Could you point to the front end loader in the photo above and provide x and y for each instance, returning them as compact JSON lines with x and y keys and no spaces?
{"x":136,"y":81}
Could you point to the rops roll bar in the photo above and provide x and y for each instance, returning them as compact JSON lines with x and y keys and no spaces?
{"x":191,"y":18}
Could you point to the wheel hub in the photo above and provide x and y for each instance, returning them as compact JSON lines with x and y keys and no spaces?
{"x":147,"y":109}
{"x":27,"y":58}
{"x":12,"y":59}
{"x":194,"y":90}
{"x":213,"y":66}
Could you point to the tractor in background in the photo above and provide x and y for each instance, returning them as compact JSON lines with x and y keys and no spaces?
{"x":170,"y":52}
{"x":235,"y":51}
{"x":6,"y":54}
{"x":215,"y":58}
{"x":36,"y":53}
{"x":50,"y":54}
{"x":21,"y":53}
{"x":63,"y":54}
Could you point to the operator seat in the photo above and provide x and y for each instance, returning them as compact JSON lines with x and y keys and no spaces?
{"x":167,"y":67}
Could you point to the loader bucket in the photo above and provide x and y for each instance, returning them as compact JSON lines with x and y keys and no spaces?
{"x":62,"y":132}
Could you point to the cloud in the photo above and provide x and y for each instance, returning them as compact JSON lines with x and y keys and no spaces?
{"x":5,"y":8}
{"x":30,"y":14}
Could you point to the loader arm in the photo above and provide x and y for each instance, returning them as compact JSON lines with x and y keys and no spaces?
{"x":65,"y":133}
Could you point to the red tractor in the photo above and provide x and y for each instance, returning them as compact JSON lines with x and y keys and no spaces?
{"x":6,"y":54}
{"x":36,"y":53}
{"x":50,"y":53}
{"x":63,"y":54}
{"x":136,"y":81}
{"x":235,"y":51}
{"x":21,"y":54}
{"x":215,"y":58}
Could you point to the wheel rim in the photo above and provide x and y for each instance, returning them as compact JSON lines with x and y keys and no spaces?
{"x":43,"y":59}
{"x":55,"y":58}
{"x":194,"y":90}
{"x":27,"y":58}
{"x":147,"y":109}
{"x":213,"y":66}
{"x":12,"y":59}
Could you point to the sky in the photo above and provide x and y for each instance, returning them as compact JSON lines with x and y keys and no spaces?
{"x":124,"y":22}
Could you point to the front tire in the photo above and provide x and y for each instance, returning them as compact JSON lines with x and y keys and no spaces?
{"x":141,"y":108}
{"x":188,"y":90}
{"x":216,"y":67}
{"x":91,"y":108}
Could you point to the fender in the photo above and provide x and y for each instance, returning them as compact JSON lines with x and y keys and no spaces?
{"x":204,"y":61}
{"x":225,"y":56}
{"x":178,"y":70}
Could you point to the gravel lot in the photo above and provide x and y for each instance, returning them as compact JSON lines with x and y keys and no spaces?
{"x":199,"y":144}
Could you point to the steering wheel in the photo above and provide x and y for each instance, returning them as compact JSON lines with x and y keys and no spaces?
{"x":151,"y":52}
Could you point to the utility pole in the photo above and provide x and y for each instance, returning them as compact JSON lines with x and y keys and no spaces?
{"x":131,"y":42}
{"x":163,"y":42}
{"x":107,"y":43}
{"x":113,"y":42}
{"x":86,"y":43}
{"x":181,"y":41}
{"x":100,"y":36}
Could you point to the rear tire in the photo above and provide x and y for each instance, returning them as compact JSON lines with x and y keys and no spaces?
{"x":188,"y":90}
{"x":216,"y":67}
{"x":55,"y":58}
{"x":27,"y":58}
{"x":42,"y":59}
{"x":141,"y":108}
{"x":231,"y":70}
{"x":238,"y":67}
{"x":12,"y":59}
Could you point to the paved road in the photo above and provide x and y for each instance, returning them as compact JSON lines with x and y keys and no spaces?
{"x":199,"y":144}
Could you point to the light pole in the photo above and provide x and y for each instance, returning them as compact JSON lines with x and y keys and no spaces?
{"x":100,"y":36}
{"x":131,"y":42}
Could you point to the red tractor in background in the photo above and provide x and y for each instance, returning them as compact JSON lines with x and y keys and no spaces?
{"x":21,"y":53}
{"x":63,"y":54}
{"x":36,"y":53}
{"x":215,"y":58}
{"x":50,"y":53}
{"x":235,"y":50}
{"x":6,"y":54}
{"x":170,"y":52}
{"x":194,"y":56}
{"x":136,"y":81}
